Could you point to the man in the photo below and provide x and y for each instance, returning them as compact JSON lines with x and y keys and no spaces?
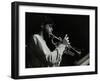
{"x":38,"y":52}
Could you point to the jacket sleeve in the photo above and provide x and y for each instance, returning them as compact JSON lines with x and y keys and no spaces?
{"x":56,"y":56}
{"x":38,"y":56}
{"x":34,"y":56}
{"x":52,"y":57}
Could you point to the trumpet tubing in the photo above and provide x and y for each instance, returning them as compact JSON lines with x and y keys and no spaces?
{"x":68,"y":46}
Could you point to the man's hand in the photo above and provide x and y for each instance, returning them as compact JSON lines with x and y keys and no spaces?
{"x":66,"y":40}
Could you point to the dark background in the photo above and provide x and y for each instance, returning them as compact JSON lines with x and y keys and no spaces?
{"x":76,"y":26}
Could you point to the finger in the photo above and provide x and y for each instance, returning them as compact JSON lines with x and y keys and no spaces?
{"x":66,"y":35}
{"x":69,"y":43}
{"x":67,"y":38}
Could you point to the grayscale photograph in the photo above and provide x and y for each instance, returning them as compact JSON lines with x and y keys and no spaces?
{"x":51,"y":40}
{"x":54,"y":40}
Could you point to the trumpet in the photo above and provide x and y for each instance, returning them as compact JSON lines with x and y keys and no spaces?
{"x":68,"y":46}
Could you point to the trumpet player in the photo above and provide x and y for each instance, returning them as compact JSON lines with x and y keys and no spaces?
{"x":39,"y":54}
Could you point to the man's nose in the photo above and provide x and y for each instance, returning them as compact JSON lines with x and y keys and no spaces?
{"x":51,"y":29}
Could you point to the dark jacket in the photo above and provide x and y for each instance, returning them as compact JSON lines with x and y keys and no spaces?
{"x":34,"y":56}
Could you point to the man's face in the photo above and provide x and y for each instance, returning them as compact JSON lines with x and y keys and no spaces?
{"x":48,"y":28}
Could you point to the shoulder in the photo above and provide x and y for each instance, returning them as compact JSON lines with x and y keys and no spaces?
{"x":36,"y":38}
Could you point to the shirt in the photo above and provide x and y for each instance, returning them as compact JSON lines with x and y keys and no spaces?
{"x":52,"y":56}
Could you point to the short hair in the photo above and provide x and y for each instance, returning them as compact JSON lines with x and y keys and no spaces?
{"x":47,"y":20}
{"x":42,"y":21}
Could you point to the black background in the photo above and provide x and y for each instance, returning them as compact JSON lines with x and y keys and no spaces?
{"x":76,"y":26}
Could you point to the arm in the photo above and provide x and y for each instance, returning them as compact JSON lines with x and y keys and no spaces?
{"x":53,"y":57}
{"x":56,"y":56}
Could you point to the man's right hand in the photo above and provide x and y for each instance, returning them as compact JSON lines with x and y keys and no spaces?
{"x":66,"y":40}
